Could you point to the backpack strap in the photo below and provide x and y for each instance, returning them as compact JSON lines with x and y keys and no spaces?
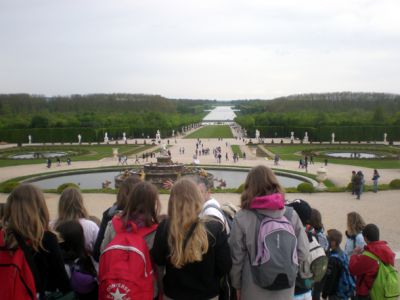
{"x":373,"y":256}
{"x":189,"y":234}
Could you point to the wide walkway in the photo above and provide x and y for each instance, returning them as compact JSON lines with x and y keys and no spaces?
{"x":381,"y":208}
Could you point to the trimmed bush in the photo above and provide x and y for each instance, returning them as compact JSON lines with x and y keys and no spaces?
{"x":395,"y":184}
{"x":9,"y":186}
{"x":240,"y":189}
{"x":305,"y":187}
{"x":64,"y":186}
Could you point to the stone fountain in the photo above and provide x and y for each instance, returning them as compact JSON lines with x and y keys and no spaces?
{"x":163,"y":170}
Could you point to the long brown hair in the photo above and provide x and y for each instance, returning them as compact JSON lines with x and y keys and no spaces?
{"x":143,"y":202}
{"x":259,"y":182}
{"x":355,"y":223}
{"x":125,"y":189}
{"x":26,"y":213}
{"x":184,"y":207}
{"x":70,"y":206}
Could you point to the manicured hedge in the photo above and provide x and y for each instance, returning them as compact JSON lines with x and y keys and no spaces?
{"x":324,"y":133}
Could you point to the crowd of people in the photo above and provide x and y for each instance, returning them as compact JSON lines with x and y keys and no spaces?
{"x":267,"y":249}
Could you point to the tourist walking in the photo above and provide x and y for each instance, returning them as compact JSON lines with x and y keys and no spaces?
{"x":263,"y":200}
{"x":193,"y":250}
{"x":48,"y":163}
{"x":26,"y":228}
{"x":375,"y":178}
{"x":355,"y":226}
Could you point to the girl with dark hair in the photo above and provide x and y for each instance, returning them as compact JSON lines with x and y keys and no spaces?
{"x":77,"y":260}
{"x":122,"y":198}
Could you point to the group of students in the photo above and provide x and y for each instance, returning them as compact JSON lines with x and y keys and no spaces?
{"x":196,"y":251}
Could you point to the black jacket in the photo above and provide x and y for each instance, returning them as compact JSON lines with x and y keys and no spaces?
{"x":332,"y":275}
{"x":50,"y":266}
{"x":199,"y":280}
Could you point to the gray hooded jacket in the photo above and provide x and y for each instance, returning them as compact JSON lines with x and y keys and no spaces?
{"x":242,"y":242}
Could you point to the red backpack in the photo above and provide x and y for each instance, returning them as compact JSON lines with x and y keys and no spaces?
{"x":17,"y":281}
{"x":125,"y":270}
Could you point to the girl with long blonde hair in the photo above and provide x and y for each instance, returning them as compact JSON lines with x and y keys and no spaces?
{"x":26,"y":216}
{"x":194,"y":250}
{"x":72,"y":208}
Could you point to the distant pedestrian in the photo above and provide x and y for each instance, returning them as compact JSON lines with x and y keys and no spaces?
{"x":48,"y":163}
{"x":58,"y":162}
{"x":69,"y":161}
{"x":358,"y":184}
{"x":375,"y":178}
{"x":326,"y":162}
{"x":311,"y":159}
{"x":226,"y":156}
{"x":353,"y":184}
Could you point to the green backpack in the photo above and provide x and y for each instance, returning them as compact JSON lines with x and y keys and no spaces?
{"x":386,"y":284}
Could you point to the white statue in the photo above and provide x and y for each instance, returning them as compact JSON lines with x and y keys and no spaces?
{"x":183,"y":130}
{"x":305,"y":140}
{"x":292,"y":136}
{"x":124,"y":137}
{"x":79,"y":138}
{"x":173,"y":133}
{"x":106,"y":138}
{"x":257,"y":134}
{"x":164,"y":151}
{"x":384,"y":137}
{"x":158,"y":135}
{"x":30,"y":139}
{"x":333,"y":137}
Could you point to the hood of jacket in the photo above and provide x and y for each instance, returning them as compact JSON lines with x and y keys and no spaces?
{"x":382,"y":250}
{"x":268,"y":202}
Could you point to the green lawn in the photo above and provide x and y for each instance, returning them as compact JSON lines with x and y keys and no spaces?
{"x":211,"y":131}
{"x":82,"y":153}
{"x":236,"y":149}
{"x":292,"y":152}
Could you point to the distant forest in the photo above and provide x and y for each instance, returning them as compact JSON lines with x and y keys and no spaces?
{"x":364,"y":116}
{"x":98,"y":110}
{"x":310,"y":112}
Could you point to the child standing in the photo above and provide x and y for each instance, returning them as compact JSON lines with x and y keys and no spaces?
{"x":364,"y":265}
{"x":337,"y":283}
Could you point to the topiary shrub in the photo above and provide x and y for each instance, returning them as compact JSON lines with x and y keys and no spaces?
{"x":305,"y":187}
{"x":64,"y":186}
{"x":395,"y":184}
{"x":240,"y":189}
{"x":7,"y":187}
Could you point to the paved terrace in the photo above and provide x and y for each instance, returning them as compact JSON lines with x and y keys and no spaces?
{"x":381,"y":208}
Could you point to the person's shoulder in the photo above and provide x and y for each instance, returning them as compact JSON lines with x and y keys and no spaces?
{"x":86,"y":223}
{"x":213,"y":225}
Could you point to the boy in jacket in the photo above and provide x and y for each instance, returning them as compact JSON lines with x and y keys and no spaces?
{"x":365,"y":268}
{"x":332,"y":276}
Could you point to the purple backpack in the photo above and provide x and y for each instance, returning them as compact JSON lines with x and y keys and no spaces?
{"x":276,"y":263}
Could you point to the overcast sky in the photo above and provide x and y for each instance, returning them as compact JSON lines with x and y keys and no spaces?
{"x":211,"y":49}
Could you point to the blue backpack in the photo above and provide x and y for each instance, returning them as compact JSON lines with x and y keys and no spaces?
{"x":346,"y":285}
